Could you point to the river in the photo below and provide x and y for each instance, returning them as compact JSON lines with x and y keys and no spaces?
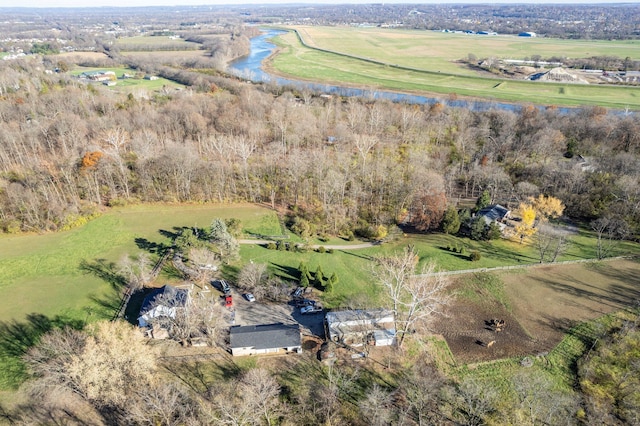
{"x":250,"y":68}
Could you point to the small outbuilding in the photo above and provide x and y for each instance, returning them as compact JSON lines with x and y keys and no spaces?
{"x":357,"y":327}
{"x":262,"y":339}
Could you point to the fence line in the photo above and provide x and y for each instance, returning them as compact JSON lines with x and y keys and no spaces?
{"x":528,"y":265}
{"x":126,"y":296}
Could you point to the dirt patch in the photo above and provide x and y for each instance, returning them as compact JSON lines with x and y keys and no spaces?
{"x":544,"y":302}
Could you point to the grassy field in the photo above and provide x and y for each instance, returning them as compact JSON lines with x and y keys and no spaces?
{"x":432,"y":58}
{"x":155,"y":42}
{"x":43,"y":273}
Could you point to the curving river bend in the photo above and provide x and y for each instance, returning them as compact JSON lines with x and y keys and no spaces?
{"x":250,"y":68}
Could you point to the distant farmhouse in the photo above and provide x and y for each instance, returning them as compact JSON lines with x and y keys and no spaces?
{"x":264,"y":339}
{"x":357,"y":327}
{"x":99,"y":75}
{"x":527,"y":34}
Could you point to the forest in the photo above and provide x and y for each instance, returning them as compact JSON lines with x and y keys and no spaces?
{"x":69,"y":149}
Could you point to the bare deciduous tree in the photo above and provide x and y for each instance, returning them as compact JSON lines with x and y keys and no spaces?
{"x":415,"y":299}
{"x":609,"y":231}
{"x":252,"y":278}
{"x":550,"y":241}
{"x":104,"y":367}
{"x":376,"y":407}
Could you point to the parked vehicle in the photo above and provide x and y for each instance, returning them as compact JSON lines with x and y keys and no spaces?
{"x":299,"y":303}
{"x":250,"y":297}
{"x":228,"y":301}
{"x":224,"y":287}
{"x":310,"y":309}
{"x":298,"y":292}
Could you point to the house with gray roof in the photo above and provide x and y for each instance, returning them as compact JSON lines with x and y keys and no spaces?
{"x":495,"y":213}
{"x":163,"y":301}
{"x":263,"y":339}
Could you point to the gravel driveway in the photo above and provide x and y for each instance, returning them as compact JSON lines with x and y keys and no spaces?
{"x":263,"y":312}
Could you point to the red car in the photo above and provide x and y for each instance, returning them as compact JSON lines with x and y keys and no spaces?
{"x":228,"y":301}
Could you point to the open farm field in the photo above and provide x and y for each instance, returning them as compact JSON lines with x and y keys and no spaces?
{"x":153,"y":43}
{"x":385,"y":63}
{"x":79,"y":57}
{"x":539,"y":305}
{"x":428,"y":49}
{"x":162,"y":56}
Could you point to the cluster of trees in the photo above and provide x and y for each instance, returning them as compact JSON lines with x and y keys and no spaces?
{"x":342,"y":165}
{"x":107,"y":374}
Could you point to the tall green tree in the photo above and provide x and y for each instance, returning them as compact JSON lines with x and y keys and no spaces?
{"x":483,"y":200}
{"x":451,"y":221}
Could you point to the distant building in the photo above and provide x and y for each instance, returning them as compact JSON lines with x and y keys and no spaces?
{"x":99,"y":75}
{"x":150,"y":77}
{"x":265,"y":339}
{"x":527,"y":34}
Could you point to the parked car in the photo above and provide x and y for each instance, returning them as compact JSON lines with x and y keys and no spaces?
{"x":224,"y":287}
{"x":310,"y":309}
{"x":298,"y":292}
{"x":250,"y":297}
{"x":299,"y":303}
{"x":228,"y":301}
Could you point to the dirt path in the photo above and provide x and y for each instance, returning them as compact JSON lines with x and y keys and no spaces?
{"x":315,"y":246}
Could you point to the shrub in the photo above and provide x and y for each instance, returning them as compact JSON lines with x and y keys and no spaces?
{"x":329,"y":250}
{"x":271,"y":246}
{"x":321,"y":249}
{"x":475,"y":256}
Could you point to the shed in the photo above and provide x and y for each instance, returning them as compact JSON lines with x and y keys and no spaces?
{"x":265,"y":339}
{"x":355,"y":327}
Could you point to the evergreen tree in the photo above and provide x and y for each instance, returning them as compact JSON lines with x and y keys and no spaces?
{"x":483,"y":200}
{"x":493,"y":231}
{"x":319,"y":277}
{"x":451,"y":221}
{"x":478,"y":229}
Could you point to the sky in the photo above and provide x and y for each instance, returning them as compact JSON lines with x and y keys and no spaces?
{"x":129,"y":3}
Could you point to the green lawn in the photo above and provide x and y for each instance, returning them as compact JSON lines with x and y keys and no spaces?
{"x":43,"y":274}
{"x":130,"y":82}
{"x":425,"y":62}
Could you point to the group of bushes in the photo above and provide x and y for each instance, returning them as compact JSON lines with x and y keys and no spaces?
{"x":281,"y":245}
{"x":474,"y":256}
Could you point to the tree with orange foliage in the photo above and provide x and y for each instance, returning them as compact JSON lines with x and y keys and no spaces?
{"x":90,"y":159}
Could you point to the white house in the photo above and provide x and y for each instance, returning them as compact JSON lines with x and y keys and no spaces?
{"x":265,"y":339}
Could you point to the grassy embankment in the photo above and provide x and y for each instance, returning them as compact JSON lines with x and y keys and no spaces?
{"x":426,"y":62}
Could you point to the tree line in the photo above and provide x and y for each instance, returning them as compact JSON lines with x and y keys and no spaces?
{"x":342,"y":164}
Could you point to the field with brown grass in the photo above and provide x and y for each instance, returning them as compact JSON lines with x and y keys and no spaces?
{"x":538,"y":304}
